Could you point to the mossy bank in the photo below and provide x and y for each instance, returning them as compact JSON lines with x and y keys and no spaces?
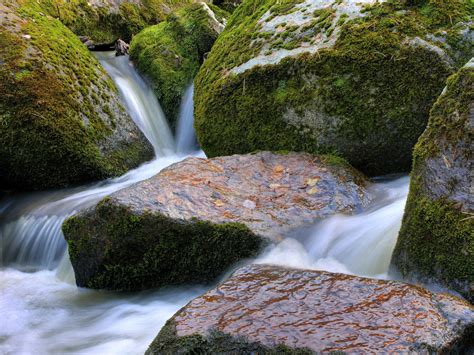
{"x":353,"y":79}
{"x":61,"y":121}
{"x":105,"y":21}
{"x":170,"y":53}
{"x":436,"y":240}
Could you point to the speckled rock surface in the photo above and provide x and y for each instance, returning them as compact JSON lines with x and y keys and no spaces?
{"x":437,"y":235}
{"x":61,"y":120}
{"x":354,"y":77}
{"x":269,"y":309}
{"x":197,"y":217}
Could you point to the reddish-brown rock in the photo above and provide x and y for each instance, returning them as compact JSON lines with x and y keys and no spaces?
{"x":197,"y":217}
{"x":264,"y":308}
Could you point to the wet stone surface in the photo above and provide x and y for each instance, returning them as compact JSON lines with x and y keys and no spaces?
{"x":269,"y":193}
{"x":262,"y":307}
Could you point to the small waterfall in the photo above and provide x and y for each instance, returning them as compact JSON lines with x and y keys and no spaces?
{"x":30,"y":229}
{"x":361,"y":244}
{"x":140,"y":102}
{"x":185,"y":136}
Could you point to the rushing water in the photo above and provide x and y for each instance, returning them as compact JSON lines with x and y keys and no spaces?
{"x":43,"y":312}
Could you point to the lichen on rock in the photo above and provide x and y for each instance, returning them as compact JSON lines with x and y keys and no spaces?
{"x":170,"y":53}
{"x":436,"y":240}
{"x":61,"y":121}
{"x":353,"y":78}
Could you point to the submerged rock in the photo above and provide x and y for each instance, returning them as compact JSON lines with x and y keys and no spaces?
{"x":436,"y":240}
{"x":268,"y":309}
{"x":121,"y":48}
{"x":196,"y":218}
{"x":170,"y":53}
{"x":61,"y":121}
{"x":357,"y":78}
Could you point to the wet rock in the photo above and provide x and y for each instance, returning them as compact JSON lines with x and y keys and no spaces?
{"x":121,"y":48}
{"x":196,"y":218}
{"x":353,"y":77}
{"x":61,"y":120}
{"x":436,"y":240}
{"x":269,"y":309}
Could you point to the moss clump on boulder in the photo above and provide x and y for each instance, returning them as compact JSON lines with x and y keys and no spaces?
{"x":61,"y":121}
{"x":170,"y":53}
{"x":131,"y":255}
{"x":353,"y":79}
{"x":437,"y":236}
{"x":105,"y":21}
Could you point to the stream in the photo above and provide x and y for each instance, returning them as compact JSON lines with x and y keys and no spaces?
{"x":43,"y":312}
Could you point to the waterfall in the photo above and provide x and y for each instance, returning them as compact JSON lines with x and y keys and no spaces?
{"x":140,"y":102}
{"x":30,"y":230}
{"x":185,"y":137}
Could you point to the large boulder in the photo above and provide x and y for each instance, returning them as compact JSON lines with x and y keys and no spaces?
{"x":354,"y":78}
{"x":61,"y":121}
{"x":437,"y":235}
{"x":170,"y":54}
{"x":196,"y":218}
{"x":265,"y":309}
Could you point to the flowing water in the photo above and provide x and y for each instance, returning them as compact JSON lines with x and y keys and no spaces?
{"x":43,"y":312}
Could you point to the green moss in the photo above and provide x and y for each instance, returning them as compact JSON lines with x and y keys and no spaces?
{"x":104,"y":23}
{"x":436,"y":241}
{"x":374,"y":90}
{"x":48,"y":85}
{"x":113,"y":248}
{"x":167,"y":342}
{"x":170,"y":54}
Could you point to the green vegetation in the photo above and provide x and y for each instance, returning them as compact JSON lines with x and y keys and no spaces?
{"x":116,"y":249}
{"x":366,"y":98}
{"x":106,"y":23}
{"x":167,"y":342}
{"x":170,"y":53}
{"x":437,"y":235}
{"x":51,"y":126}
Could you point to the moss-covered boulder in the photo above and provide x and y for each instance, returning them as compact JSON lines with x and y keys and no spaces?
{"x":352,"y":78}
{"x":170,"y":53}
{"x":105,"y":21}
{"x":264,"y":309}
{"x":196,"y":218}
{"x":437,"y":235}
{"x":61,"y":121}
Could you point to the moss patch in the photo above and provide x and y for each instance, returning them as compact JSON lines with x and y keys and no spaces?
{"x":115,"y":249}
{"x":106,"y":23}
{"x":170,"y":54}
{"x":167,"y":342}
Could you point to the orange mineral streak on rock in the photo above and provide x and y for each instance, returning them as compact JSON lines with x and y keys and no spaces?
{"x":326,"y":312}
